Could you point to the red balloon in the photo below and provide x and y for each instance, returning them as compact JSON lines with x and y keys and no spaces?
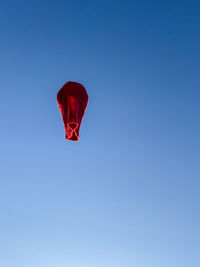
{"x":72,"y":101}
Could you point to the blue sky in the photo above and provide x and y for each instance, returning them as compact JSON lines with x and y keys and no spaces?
{"x":126,"y":194}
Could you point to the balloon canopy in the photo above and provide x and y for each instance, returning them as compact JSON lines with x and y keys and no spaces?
{"x":72,"y":101}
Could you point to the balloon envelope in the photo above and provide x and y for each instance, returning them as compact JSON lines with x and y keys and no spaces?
{"x":72,"y":101}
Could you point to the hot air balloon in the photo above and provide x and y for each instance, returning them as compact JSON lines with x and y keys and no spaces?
{"x":72,"y":101}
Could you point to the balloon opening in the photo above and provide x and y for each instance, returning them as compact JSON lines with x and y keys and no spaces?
{"x":72,"y":131}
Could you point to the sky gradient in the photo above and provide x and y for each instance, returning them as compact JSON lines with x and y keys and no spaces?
{"x":127,"y":194}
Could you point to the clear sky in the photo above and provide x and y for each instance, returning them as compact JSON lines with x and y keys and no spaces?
{"x":128,"y":193}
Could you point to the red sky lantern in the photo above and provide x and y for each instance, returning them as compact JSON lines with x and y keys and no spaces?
{"x":72,"y":101}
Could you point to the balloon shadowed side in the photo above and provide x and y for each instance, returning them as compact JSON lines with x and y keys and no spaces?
{"x":72,"y":101}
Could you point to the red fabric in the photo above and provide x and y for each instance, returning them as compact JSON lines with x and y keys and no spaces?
{"x":72,"y":100}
